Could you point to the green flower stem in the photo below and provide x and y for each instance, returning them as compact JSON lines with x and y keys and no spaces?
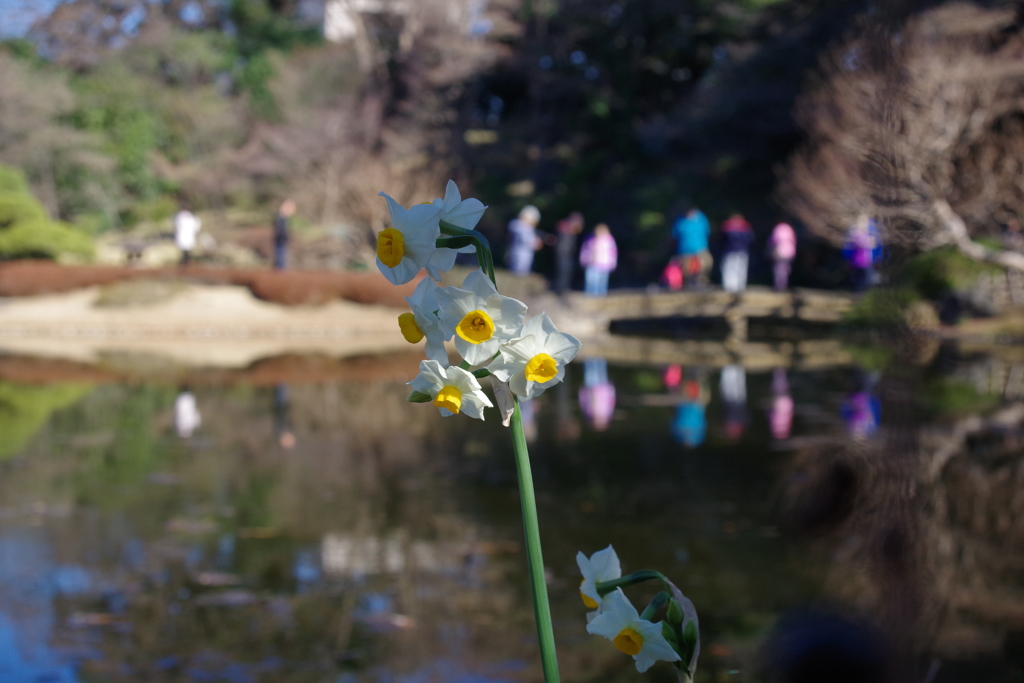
{"x":606,"y":587}
{"x":535,"y":561}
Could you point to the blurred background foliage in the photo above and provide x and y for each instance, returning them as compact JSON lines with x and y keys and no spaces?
{"x":628,"y":110}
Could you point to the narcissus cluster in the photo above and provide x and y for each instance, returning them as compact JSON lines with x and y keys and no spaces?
{"x":490,"y":331}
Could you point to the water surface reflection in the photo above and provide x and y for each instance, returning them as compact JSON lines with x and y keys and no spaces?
{"x":303,"y":527}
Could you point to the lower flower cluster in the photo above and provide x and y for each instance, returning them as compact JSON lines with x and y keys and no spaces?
{"x":675,"y":638}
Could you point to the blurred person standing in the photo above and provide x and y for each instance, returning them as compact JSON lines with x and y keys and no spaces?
{"x":783,"y":250}
{"x":599,"y":257}
{"x":737,"y":237}
{"x":523,"y":240}
{"x":691,"y":234}
{"x":862,"y":249}
{"x":186,"y":414}
{"x":565,"y":250}
{"x":186,"y":226}
{"x":284,"y":212}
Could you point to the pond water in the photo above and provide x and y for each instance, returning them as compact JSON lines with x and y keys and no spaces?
{"x":255,"y":528}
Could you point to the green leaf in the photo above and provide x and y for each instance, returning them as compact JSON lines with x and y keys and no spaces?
{"x":670,"y":635}
{"x":481,"y":373}
{"x":675,"y":612}
{"x":657,"y":603}
{"x":419,"y":397}
{"x":690,"y":635}
{"x":455,"y":242}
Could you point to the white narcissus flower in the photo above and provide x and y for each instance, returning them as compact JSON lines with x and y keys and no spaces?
{"x":479,"y":317}
{"x":601,"y":566}
{"x":423,"y":321}
{"x":535,"y":361}
{"x":410,"y":242}
{"x":453,"y":390}
{"x":462,"y":213}
{"x":620,"y":623}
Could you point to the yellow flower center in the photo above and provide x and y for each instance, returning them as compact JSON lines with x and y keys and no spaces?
{"x":476,"y":327}
{"x":629,"y":641}
{"x":410,"y":330}
{"x":587,"y":600}
{"x":390,"y":247}
{"x":541,"y":368}
{"x":449,"y":397}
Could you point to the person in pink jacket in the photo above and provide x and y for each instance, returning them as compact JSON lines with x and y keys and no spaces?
{"x":599,"y":257}
{"x":783,"y":249}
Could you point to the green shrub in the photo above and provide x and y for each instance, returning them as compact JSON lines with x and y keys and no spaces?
{"x":25,"y":229}
{"x":944,"y":270}
{"x":880,"y":307}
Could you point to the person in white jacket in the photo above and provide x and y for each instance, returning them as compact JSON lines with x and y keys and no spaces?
{"x":186,"y":226}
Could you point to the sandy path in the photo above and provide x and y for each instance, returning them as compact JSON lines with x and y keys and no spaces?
{"x":223,"y":326}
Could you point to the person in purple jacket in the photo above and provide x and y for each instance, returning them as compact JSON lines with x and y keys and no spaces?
{"x":599,"y":257}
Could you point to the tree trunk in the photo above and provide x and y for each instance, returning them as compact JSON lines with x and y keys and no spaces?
{"x":956,"y":234}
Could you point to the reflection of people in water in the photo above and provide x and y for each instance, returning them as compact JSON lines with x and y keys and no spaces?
{"x":781,"y":415}
{"x":597,"y":396}
{"x":862,"y":411}
{"x":690,"y":425}
{"x":733,"y":385}
{"x":672,"y":376}
{"x":282,"y":418}
{"x":186,"y":415}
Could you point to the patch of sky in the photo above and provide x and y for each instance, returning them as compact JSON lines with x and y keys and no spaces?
{"x":132,"y":20}
{"x":192,"y":13}
{"x":17,"y":16}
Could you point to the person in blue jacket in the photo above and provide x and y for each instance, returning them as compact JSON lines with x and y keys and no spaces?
{"x":691,"y":234}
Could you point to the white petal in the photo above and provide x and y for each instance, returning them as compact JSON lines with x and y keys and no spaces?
{"x":606,"y":564}
{"x":420,"y":222}
{"x":452,"y":196}
{"x":562,"y":347}
{"x":509,"y":319}
{"x":517,"y":383}
{"x":440,"y":262}
{"x":423,"y":296}
{"x":655,"y":646}
{"x":404,"y":272}
{"x":434,"y":348}
{"x":503,"y":370}
{"x":481,"y":285}
{"x":606,"y":625}
{"x":520,"y":350}
{"x":618,"y":604}
{"x":586,"y":568}
{"x":430,"y":379}
{"x":453,"y":304}
{"x":467,"y":214}
{"x":476,"y":354}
